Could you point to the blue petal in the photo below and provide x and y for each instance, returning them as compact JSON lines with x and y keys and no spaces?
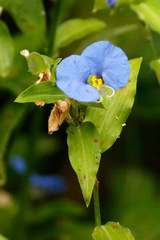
{"x":108,"y":61}
{"x":111,"y":3}
{"x":19,"y":164}
{"x":50,"y":183}
{"x":72,"y":74}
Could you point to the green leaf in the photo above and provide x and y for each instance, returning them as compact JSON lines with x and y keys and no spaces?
{"x":6,"y":50}
{"x":155,"y":65}
{"x":29,"y":16}
{"x":110,"y":121}
{"x":36,"y":63}
{"x":100,"y":4}
{"x":135,"y":199}
{"x":9,"y":118}
{"x":84,"y":155}
{"x":149,"y":12}
{"x":52,"y":64}
{"x":75,"y":29}
{"x":54,"y":209}
{"x":30,"y":19}
{"x":2,"y":237}
{"x":112,"y":231}
{"x":44,"y":91}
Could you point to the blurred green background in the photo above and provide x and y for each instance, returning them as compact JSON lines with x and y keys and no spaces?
{"x":129,"y":171}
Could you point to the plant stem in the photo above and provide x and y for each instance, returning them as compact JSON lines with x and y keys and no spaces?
{"x":96,"y":204}
{"x":53,"y":26}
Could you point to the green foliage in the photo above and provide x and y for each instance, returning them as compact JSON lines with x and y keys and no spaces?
{"x":27,"y":16}
{"x":135,"y":200}
{"x":149,"y":11}
{"x":9,"y":119}
{"x":109,"y":121}
{"x":84,"y":155}
{"x":112,"y":231}
{"x":155,"y":65}
{"x":76,"y":29}
{"x":6,"y":50}
{"x":38,"y":63}
{"x":100,"y":4}
{"x":44,"y":91}
{"x":2,"y":237}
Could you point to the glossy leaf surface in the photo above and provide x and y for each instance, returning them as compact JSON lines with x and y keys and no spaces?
{"x":84,"y":155}
{"x":110,"y":121}
{"x":44,"y":91}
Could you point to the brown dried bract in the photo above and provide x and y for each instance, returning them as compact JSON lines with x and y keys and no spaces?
{"x":43,"y":77}
{"x":58,"y":114}
{"x":39,"y":103}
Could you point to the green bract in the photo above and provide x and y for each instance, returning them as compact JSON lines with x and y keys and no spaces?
{"x":112,"y":231}
{"x":38,"y":63}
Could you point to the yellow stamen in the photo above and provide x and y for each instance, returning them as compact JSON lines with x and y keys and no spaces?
{"x":96,"y":82}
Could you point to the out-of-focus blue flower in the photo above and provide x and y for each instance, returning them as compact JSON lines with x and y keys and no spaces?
{"x":50,"y":183}
{"x":100,"y":62}
{"x":19,"y":164}
{"x":111,"y":3}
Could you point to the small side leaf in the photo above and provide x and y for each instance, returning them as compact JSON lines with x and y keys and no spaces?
{"x":155,"y":65}
{"x":36,"y":63}
{"x":112,"y":231}
{"x":44,"y":91}
{"x":84,"y":155}
{"x":148,"y":11}
{"x":110,"y":121}
{"x":6,"y":50}
{"x":80,"y":28}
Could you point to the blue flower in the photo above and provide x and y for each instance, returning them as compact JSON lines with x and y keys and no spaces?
{"x":51,"y":183}
{"x":81,"y":76}
{"x":19,"y":164}
{"x":111,"y":3}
